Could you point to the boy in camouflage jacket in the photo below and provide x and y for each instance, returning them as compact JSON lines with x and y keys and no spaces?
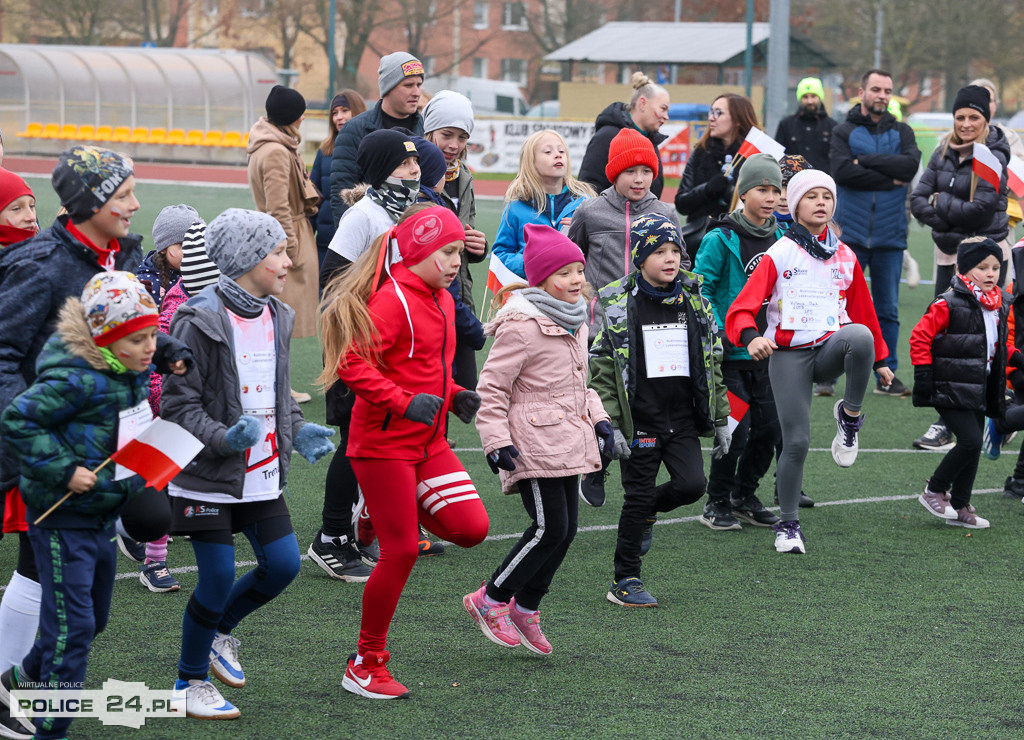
{"x":656,"y":366}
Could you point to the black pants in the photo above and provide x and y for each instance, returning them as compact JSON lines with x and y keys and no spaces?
{"x":680,"y":451}
{"x":341,"y":490}
{"x":465,"y":366}
{"x":526,"y":573}
{"x":1013,"y":421}
{"x":753,"y":440}
{"x":958,"y":468}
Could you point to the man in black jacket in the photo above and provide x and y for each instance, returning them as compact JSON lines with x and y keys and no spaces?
{"x":808,"y":132}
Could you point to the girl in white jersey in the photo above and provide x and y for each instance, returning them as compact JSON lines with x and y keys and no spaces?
{"x":821,"y":323}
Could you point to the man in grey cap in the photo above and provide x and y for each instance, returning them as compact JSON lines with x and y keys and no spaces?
{"x":400,"y":79}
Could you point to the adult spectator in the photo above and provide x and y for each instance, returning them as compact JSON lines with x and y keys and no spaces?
{"x":873,"y":158}
{"x":344,"y":107}
{"x":282,"y":188}
{"x":808,"y":132}
{"x":400,"y":81}
{"x":710,"y":173}
{"x":647,"y":112}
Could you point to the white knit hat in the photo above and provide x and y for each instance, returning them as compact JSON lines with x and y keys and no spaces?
{"x":448,"y":108}
{"x":808,"y":180}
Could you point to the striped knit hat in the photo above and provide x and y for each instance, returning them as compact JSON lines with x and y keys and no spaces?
{"x":197,"y":269}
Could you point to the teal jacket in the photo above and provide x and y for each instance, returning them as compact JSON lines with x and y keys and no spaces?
{"x":720,"y":265}
{"x":613,"y":369}
{"x":68,"y":418}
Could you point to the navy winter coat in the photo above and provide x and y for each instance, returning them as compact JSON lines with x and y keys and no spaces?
{"x":323,"y":222}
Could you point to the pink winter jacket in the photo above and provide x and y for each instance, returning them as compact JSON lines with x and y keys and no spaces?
{"x":534,"y":395}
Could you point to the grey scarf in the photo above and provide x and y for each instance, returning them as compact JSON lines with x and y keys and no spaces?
{"x":238,"y":299}
{"x":569,"y":316}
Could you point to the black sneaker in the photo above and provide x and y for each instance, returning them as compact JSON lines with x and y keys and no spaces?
{"x":718,"y":515}
{"x":427,"y":546}
{"x":895,"y":389}
{"x":134,"y":551}
{"x":11,"y":680}
{"x":1014,"y":488}
{"x":750,"y":509}
{"x":339,"y":559}
{"x":592,"y":488}
{"x":369,"y":554}
{"x":806,"y":502}
{"x":12,"y":726}
{"x":648,"y":536}
{"x":938,"y":438}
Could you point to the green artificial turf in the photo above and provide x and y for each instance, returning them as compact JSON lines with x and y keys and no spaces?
{"x":893,"y":625}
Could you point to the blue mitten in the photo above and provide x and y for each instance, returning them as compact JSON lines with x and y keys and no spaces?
{"x":311,"y":441}
{"x":605,"y":438}
{"x":243,"y":435}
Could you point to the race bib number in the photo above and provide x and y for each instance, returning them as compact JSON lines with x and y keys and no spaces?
{"x":666,"y":350}
{"x":810,"y":308}
{"x":130,"y":424}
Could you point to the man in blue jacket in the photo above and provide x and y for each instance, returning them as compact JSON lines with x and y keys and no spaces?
{"x":873,"y":158}
{"x":400,"y":79}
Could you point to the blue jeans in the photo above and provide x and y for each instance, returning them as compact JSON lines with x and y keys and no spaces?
{"x":885,"y":265}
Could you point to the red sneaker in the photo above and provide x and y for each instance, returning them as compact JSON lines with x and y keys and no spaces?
{"x":372,"y":678}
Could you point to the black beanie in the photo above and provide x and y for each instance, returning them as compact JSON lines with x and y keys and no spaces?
{"x":974,"y":97}
{"x":380,"y":152}
{"x":86,"y":177}
{"x":973,"y":250}
{"x":284,"y":105}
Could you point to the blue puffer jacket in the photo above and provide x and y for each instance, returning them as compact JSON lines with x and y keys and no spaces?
{"x":68,"y":418}
{"x":323,"y":222}
{"x":872,"y":208}
{"x":508,"y":244}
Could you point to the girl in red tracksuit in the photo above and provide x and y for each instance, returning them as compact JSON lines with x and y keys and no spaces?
{"x":392,"y":327}
{"x":821,"y":323}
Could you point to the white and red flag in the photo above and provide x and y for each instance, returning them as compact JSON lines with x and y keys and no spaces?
{"x":986,"y":166}
{"x":737,"y":410}
{"x":758,"y":142}
{"x":498,"y":276}
{"x":159,"y":452}
{"x":1015,"y":176}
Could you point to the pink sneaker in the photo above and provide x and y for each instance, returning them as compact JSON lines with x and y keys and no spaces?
{"x":528,"y":627}
{"x":966,"y":517}
{"x":492,"y":619}
{"x":937,"y":504}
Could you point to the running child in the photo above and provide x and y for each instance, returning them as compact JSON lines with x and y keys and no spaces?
{"x":656,"y":365}
{"x":543,"y":192}
{"x":959,"y":350}
{"x":813,"y":283}
{"x":537,"y":422}
{"x":237,"y":402}
{"x":390,"y":327}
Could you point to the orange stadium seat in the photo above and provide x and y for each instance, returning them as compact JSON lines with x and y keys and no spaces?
{"x":175,"y":136}
{"x":194,"y":138}
{"x":121,"y":134}
{"x":51,"y":131}
{"x":157,"y":136}
{"x":232,"y":138}
{"x":104,"y":133}
{"x":87,"y":132}
{"x":139,"y":135}
{"x":32,"y":131}
{"x":245,"y":139}
{"x":68,"y":131}
{"x":213,"y":138}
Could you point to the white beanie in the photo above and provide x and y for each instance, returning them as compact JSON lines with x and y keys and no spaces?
{"x":808,"y":180}
{"x":448,"y":108}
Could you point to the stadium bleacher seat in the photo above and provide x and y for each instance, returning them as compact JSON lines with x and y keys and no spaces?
{"x":157,"y":136}
{"x":175,"y":136}
{"x":103,"y":133}
{"x":87,"y":132}
{"x":231,"y":138}
{"x":194,"y":138}
{"x":139,"y":135}
{"x":213,"y":138}
{"x":121,"y":134}
{"x":32,"y":131}
{"x":68,"y":131}
{"x":51,"y":131}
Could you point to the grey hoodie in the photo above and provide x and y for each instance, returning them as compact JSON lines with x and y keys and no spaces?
{"x":600,"y":227}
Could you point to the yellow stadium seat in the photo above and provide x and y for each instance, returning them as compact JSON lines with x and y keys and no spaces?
{"x":32,"y":131}
{"x":104,"y":133}
{"x":232,"y":138}
{"x":194,"y":138}
{"x":68,"y":131}
{"x":139,"y":135}
{"x":87,"y":132}
{"x":157,"y":136}
{"x":213,"y":138}
{"x":245,"y":139}
{"x":51,"y":131}
{"x":121,"y":134}
{"x":175,"y":136}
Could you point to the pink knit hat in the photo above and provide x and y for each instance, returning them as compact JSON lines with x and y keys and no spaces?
{"x":547,"y":251}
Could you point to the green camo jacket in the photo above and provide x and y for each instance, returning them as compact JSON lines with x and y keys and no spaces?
{"x":613,"y":369}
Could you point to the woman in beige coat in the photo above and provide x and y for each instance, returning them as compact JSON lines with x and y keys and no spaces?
{"x":281,"y":187}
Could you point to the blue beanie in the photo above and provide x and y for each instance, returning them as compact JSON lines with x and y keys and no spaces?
{"x":648,"y":233}
{"x":432,"y":162}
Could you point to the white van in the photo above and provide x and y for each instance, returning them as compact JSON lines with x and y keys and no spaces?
{"x":489,"y":97}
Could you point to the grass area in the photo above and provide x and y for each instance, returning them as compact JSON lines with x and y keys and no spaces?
{"x":893,"y":624}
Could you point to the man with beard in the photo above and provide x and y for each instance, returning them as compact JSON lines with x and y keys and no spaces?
{"x":808,"y":132}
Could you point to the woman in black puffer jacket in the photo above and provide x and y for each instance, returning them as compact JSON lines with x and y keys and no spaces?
{"x":942,"y":199}
{"x":705,"y":191}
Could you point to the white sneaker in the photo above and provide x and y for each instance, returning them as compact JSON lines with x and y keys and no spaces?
{"x":224,"y":663}
{"x":789,"y":538}
{"x":845,"y":445}
{"x":913,"y":270}
{"x":202,"y":701}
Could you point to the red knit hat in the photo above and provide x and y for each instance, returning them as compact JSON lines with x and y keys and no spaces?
{"x":424,"y":233}
{"x":628,"y":149}
{"x":12,"y":187}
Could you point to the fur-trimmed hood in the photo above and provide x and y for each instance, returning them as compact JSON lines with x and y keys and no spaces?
{"x":353,"y":195}
{"x":73,"y":331}
{"x":517,"y":308}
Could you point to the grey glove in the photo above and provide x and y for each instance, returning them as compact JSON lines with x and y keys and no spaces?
{"x":465,"y":404}
{"x":621,"y":449}
{"x":242,"y":435}
{"x":723,"y":440}
{"x":423,"y":408}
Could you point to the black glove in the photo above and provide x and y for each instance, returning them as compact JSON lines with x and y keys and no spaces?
{"x":1016,"y":379}
{"x":924,"y":385}
{"x":465,"y":405}
{"x":717,"y":186}
{"x":170,"y":350}
{"x":1016,"y":359}
{"x":423,"y":408}
{"x":605,"y":438}
{"x":501,"y":458}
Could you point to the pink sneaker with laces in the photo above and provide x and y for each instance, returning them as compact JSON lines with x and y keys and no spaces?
{"x":493,"y":619}
{"x":528,"y":627}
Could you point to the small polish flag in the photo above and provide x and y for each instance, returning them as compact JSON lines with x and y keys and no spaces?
{"x":758,"y":142}
{"x":986,"y":166}
{"x":498,"y":276}
{"x":159,"y":453}
{"x":1015,"y":176}
{"x":737,"y":410}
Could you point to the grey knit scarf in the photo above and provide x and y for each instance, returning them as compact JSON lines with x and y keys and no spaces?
{"x":238,"y":299}
{"x":569,"y":316}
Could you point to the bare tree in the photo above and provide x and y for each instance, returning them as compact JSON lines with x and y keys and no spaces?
{"x":85,"y":22}
{"x":157,"y":21}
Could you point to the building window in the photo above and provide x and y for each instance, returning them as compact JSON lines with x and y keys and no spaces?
{"x":513,"y":17}
{"x":252,"y":8}
{"x":514,"y":70}
{"x":480,"y":67}
{"x":481,"y":14}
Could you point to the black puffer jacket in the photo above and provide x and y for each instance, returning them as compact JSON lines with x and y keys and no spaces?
{"x":953,"y":215}
{"x":810,"y":136}
{"x":609,"y":122}
{"x":693,"y":199}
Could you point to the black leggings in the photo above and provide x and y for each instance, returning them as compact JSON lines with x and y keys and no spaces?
{"x":1013,"y":421}
{"x":341,"y":492}
{"x":26,"y":559}
{"x":958,"y":468}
